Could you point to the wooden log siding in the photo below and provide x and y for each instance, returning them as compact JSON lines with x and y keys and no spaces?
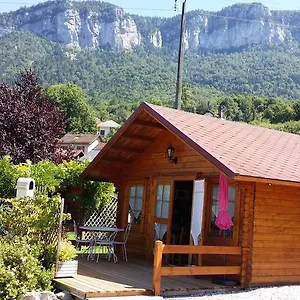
{"x":247,"y":197}
{"x":159,"y":271}
{"x":154,"y":161}
{"x":153,"y":164}
{"x":276,"y":235}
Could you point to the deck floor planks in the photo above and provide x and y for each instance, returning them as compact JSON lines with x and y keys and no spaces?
{"x":105,"y":278}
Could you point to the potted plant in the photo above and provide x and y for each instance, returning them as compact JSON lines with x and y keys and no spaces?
{"x":67,"y":266}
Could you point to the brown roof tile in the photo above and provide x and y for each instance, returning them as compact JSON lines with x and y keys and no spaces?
{"x":235,"y":148}
{"x":70,"y":138}
{"x":240,"y":148}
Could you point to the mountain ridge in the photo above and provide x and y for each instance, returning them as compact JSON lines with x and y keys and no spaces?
{"x":94,"y":24}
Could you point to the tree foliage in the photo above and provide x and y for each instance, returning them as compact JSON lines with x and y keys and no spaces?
{"x":70,"y":99}
{"x":30,"y":124}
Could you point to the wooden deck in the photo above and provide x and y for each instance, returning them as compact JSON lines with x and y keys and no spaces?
{"x":105,"y":279}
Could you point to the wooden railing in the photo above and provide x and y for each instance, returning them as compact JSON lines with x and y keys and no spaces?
{"x":159,"y":271}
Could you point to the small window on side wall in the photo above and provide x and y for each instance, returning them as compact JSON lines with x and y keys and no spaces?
{"x":136,"y":195}
{"x":214,"y":230}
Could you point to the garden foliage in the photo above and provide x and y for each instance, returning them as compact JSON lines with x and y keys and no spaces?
{"x":28,"y":225}
{"x":56,"y":179}
{"x":27,"y":244}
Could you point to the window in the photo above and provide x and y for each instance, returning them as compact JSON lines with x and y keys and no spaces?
{"x":102,"y":132}
{"x":214,"y":230}
{"x":80,"y":148}
{"x":162,"y":201}
{"x":136,"y":194}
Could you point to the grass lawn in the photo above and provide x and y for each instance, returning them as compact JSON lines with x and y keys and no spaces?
{"x":84,"y":249}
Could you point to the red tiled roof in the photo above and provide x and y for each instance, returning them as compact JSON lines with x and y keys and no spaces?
{"x":70,"y":138}
{"x":99,"y":146}
{"x":235,"y":148}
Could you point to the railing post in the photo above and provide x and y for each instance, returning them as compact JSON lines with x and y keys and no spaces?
{"x":158,"y":250}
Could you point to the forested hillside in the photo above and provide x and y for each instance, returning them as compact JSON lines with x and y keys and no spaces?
{"x":128,"y":76}
{"x":115,"y":82}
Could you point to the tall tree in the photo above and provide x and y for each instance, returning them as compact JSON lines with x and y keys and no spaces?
{"x":72,"y":101}
{"x":30,"y":124}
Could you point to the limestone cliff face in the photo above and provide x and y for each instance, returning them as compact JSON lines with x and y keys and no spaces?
{"x":249,"y":25}
{"x":102,"y":25}
{"x":72,"y":28}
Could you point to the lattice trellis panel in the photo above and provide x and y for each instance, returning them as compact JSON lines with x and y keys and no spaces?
{"x":105,"y":216}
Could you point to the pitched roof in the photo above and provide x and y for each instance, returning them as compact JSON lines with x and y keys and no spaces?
{"x":109,"y":123}
{"x":236,"y":149}
{"x":243,"y":149}
{"x":100,"y":146}
{"x":70,"y":138}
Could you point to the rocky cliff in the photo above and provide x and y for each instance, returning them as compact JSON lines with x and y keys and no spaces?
{"x":97,"y":24}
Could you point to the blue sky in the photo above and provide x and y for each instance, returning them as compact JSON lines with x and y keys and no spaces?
{"x":163,"y":8}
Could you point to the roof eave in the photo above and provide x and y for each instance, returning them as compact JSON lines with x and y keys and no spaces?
{"x":84,"y":175}
{"x":270,"y":181}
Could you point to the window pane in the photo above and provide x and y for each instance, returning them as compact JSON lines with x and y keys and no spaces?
{"x":158,"y":209}
{"x":165,"y":210}
{"x":161,"y":230}
{"x":215,"y":209}
{"x":135,"y":204}
{"x":159,"y":195}
{"x":138,"y":204}
{"x":131,"y":203}
{"x":214,"y":230}
{"x":231,"y":194}
{"x":215,"y":193}
{"x":167,"y":192}
{"x":231,"y":209}
{"x":132,"y":191}
{"x":139,"y":191}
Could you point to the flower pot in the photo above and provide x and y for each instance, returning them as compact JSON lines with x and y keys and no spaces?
{"x":66,"y":268}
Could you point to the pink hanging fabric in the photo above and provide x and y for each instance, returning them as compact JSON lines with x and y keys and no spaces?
{"x":223,"y":220}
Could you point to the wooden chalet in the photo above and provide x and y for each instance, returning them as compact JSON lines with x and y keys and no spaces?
{"x":156,"y":193}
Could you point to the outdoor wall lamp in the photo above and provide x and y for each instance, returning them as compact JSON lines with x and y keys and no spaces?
{"x":170,"y":153}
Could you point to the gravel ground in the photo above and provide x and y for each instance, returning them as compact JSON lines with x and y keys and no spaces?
{"x":267,"y":293}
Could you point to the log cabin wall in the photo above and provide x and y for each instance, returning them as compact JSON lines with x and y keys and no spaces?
{"x":276,"y":235}
{"x":247,"y":199}
{"x":152,"y":165}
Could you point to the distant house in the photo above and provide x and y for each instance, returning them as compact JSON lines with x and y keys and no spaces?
{"x":93,"y":153}
{"x":104,"y":128}
{"x":83,"y":142}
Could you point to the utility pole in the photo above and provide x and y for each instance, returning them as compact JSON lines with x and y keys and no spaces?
{"x":180,"y":57}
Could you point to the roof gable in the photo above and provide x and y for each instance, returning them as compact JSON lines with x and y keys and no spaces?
{"x":234,"y":148}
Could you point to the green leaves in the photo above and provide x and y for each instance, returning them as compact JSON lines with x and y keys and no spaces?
{"x":21,"y":269}
{"x":71,"y":100}
{"x":56,"y":179}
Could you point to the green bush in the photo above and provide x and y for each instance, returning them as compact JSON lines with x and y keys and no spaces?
{"x":21,"y":269}
{"x":56,"y":179}
{"x":66,"y":251}
{"x":34,"y":218}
